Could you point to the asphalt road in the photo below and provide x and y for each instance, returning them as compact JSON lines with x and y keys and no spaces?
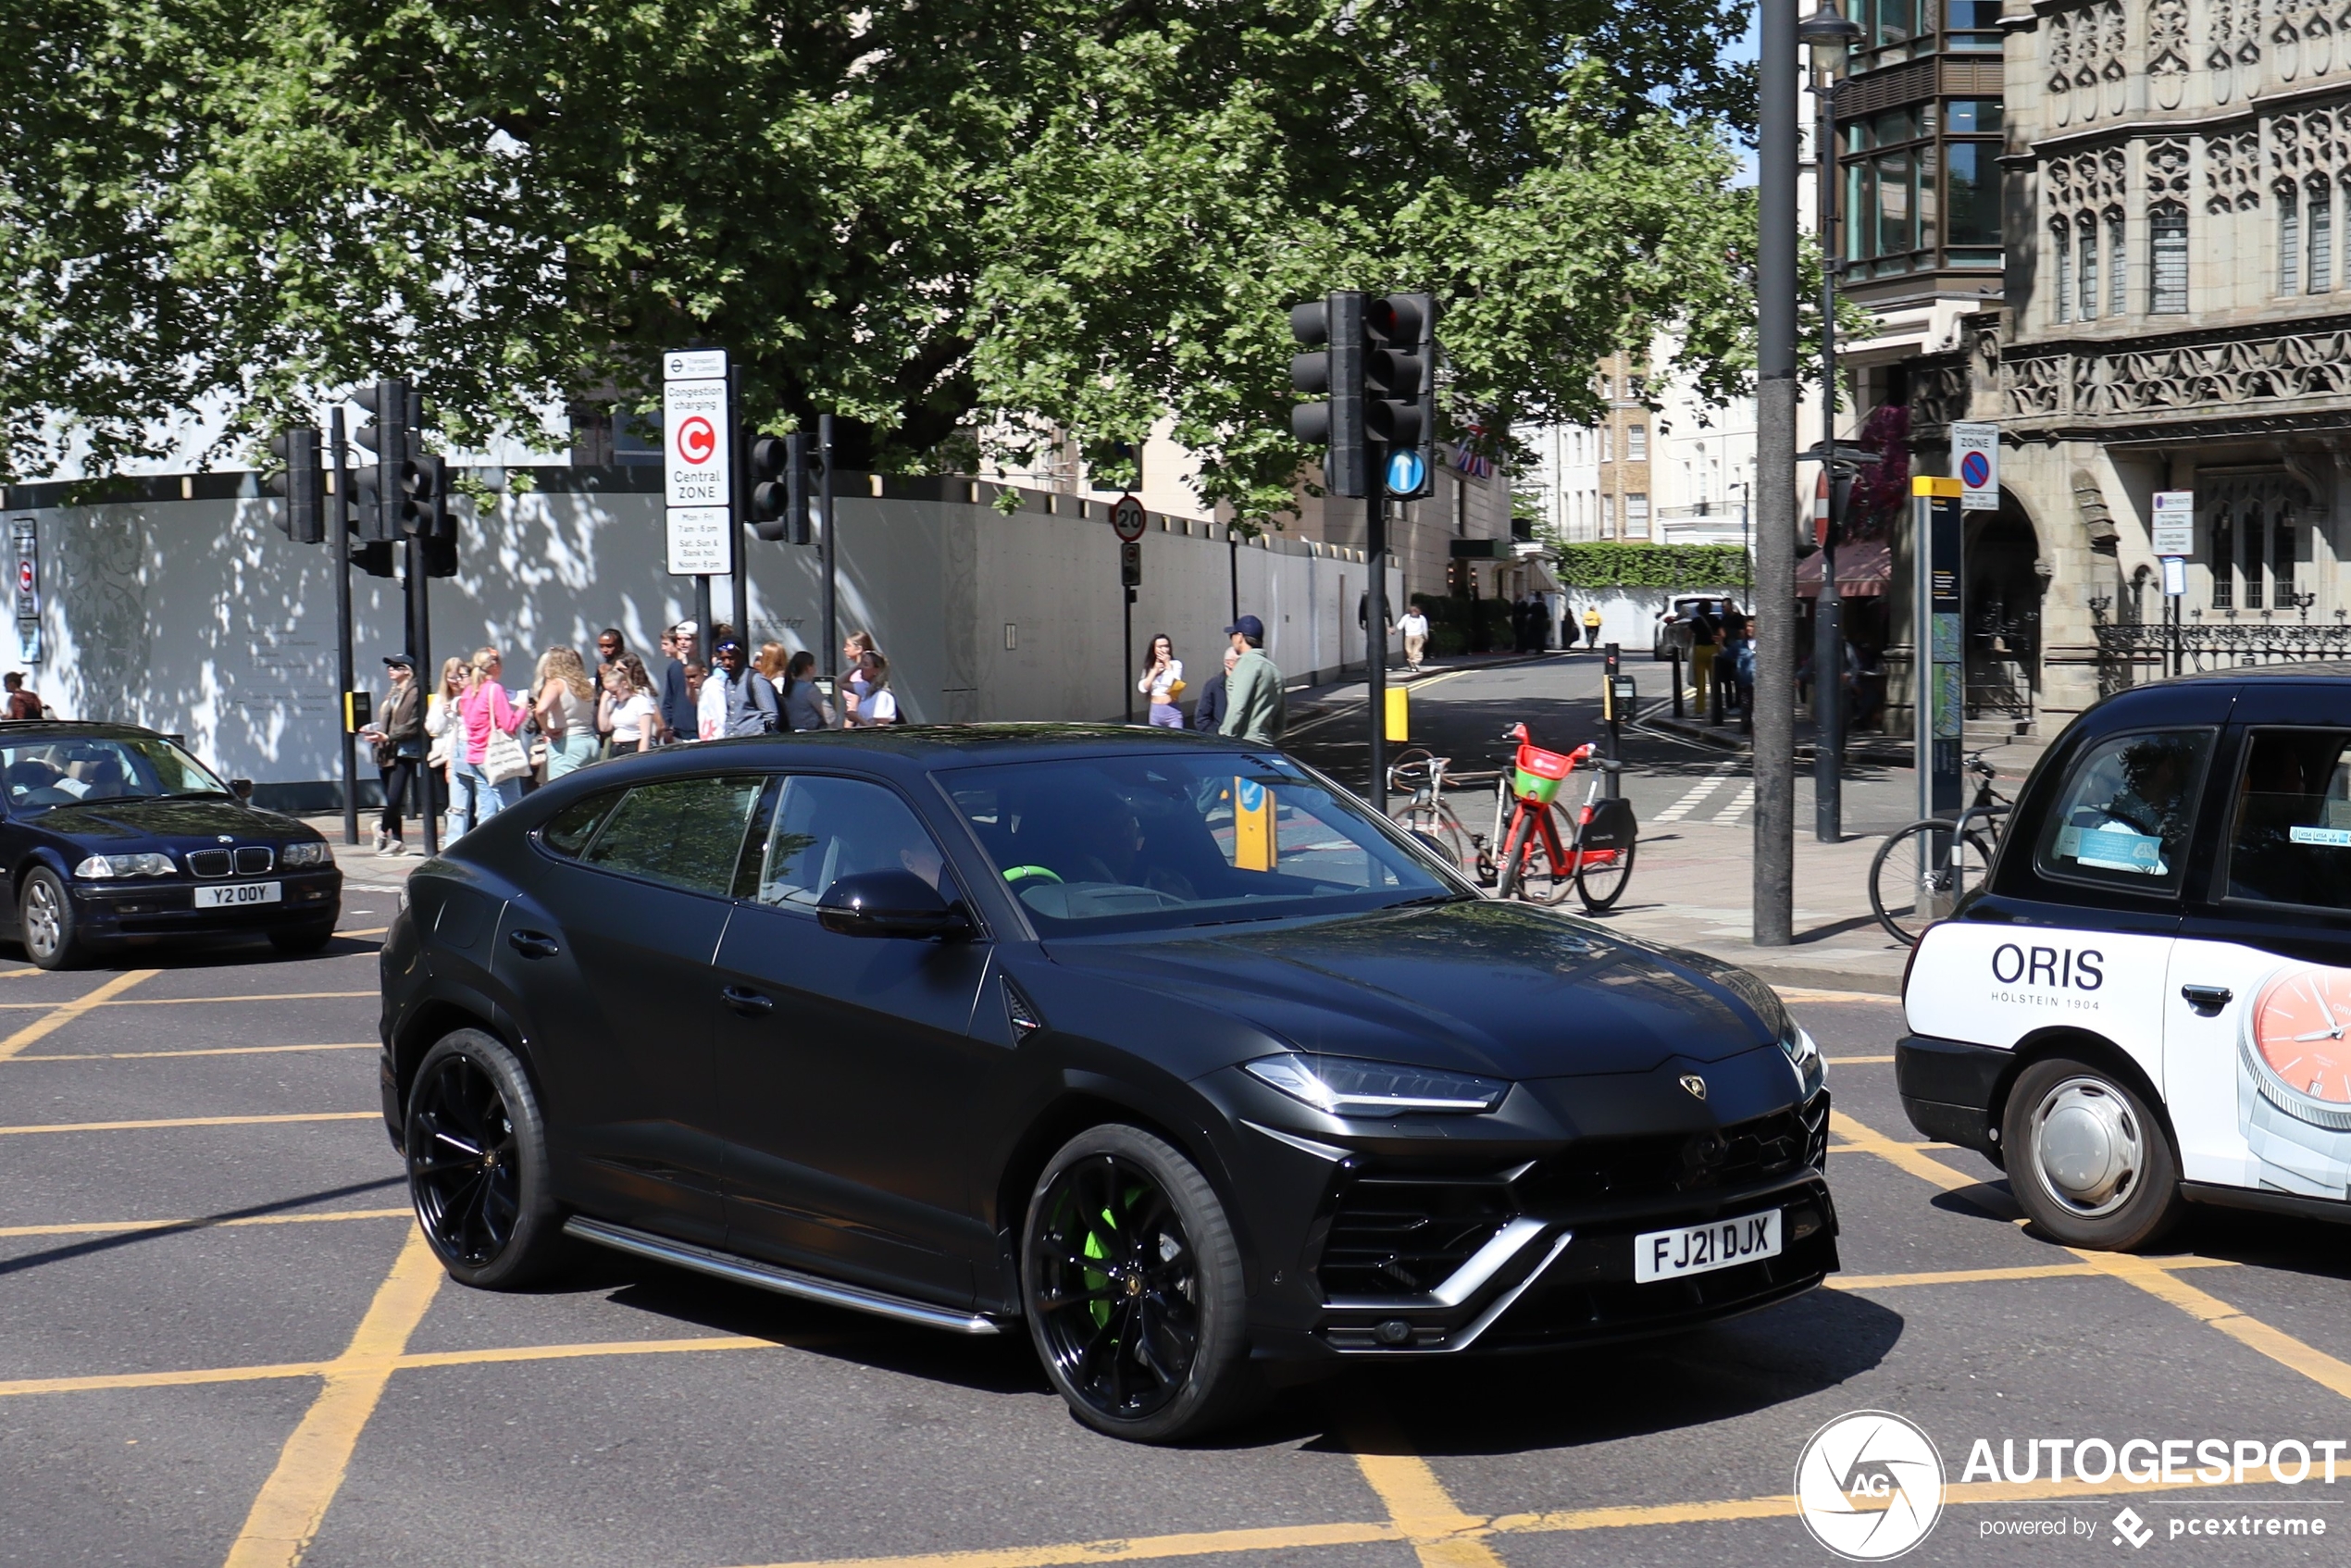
{"x":1462,"y":714}
{"x":220,"y":1344}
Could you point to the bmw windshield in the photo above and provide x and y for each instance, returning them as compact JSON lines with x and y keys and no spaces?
{"x":42,"y":774}
{"x":1161,"y":842}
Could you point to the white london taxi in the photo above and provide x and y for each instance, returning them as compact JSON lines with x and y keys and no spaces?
{"x":2149,"y":1001}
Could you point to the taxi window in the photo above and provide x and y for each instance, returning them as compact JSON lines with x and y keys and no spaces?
{"x":2289,"y":828}
{"x":2123,"y":814}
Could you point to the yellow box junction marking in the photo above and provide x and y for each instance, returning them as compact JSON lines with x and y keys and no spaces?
{"x":194,"y":1122}
{"x":62,"y":1014}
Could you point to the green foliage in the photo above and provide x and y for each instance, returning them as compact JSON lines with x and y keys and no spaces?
{"x":1652,"y":565}
{"x":937,"y":218}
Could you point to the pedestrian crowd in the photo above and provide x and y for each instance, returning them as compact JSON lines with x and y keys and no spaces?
{"x":473,"y":745}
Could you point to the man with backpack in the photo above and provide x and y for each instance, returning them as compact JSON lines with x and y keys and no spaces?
{"x":750,"y":697}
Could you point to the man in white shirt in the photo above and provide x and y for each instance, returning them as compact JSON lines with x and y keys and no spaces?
{"x":1414,"y":626}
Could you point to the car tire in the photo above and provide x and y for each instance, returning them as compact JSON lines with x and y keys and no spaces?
{"x":1152,"y":1345}
{"x":45,"y":922}
{"x":303,"y":938}
{"x":2087,"y":1158}
{"x":477,"y":1156}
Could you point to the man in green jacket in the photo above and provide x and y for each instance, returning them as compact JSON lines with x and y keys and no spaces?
{"x":1253,"y":706}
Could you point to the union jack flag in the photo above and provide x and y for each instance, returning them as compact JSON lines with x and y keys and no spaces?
{"x":1470,"y":461}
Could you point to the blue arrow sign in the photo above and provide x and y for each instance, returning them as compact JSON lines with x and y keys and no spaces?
{"x":1405,"y":472}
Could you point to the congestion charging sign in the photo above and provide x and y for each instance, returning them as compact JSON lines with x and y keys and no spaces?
{"x":697,"y":448}
{"x":1975,"y":453}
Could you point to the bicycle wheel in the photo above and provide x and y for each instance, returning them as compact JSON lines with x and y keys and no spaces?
{"x":1528,"y":871}
{"x":1915,"y":879}
{"x":1601,"y":885}
{"x":1435,"y":824}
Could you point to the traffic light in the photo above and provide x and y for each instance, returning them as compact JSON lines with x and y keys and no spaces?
{"x":1400,"y":389}
{"x":420,"y":487}
{"x":302,"y":483}
{"x":1334,"y":327}
{"x":380,"y":488}
{"x":785,"y":474}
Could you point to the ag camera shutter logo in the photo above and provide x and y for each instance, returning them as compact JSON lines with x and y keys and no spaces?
{"x":1869,"y":1486}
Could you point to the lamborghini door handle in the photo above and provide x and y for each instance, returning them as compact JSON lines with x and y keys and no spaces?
{"x":745,"y":1001}
{"x":2206,"y":1000}
{"x":533,"y":944}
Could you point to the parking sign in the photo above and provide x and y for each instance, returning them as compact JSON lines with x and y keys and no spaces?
{"x":1975,"y":453}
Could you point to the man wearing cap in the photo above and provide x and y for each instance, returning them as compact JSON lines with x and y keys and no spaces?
{"x":1253,"y":705}
{"x":744,"y":701}
{"x":677,"y":722}
{"x":398,"y":735}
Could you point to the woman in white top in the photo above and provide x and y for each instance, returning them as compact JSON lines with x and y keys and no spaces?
{"x":565,"y":705}
{"x":636,"y":717}
{"x":879,"y":706}
{"x":1164,"y":682}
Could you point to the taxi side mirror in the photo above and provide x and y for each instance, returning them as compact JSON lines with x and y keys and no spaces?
{"x":243,"y":788}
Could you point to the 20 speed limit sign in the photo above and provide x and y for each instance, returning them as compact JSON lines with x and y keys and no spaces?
{"x":1126,"y":518}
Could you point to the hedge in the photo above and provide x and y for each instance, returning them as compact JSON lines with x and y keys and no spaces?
{"x":1652,"y":565}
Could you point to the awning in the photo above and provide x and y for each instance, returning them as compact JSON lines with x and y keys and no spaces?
{"x":1861,"y":568}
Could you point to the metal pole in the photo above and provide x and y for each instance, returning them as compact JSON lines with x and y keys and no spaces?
{"x":825,"y":524}
{"x":1126,"y":638}
{"x":1775,"y":751}
{"x":338,"y":543}
{"x":1232,"y":558}
{"x":420,"y":650}
{"x":1828,"y":616}
{"x":1375,"y":622}
{"x":740,"y":500}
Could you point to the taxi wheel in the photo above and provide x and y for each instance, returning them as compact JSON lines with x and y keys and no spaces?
{"x":44,"y":918}
{"x":2087,"y":1157}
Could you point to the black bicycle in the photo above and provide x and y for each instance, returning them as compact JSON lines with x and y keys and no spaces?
{"x":1917,"y":874}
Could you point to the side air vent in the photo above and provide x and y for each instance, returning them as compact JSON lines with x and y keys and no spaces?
{"x":1020,"y":1012}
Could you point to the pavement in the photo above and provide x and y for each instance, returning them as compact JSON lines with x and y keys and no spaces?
{"x":225,"y":1348}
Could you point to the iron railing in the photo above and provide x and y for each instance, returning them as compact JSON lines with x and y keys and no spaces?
{"x":2133,"y":652}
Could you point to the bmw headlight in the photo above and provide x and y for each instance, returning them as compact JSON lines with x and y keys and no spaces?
{"x":315,"y":852}
{"x":1344,"y":1086}
{"x":100,"y":866}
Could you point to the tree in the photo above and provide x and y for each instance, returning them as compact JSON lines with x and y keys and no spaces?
{"x":924,"y":217}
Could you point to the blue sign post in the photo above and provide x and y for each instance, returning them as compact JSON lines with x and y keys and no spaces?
{"x":1407,"y":471}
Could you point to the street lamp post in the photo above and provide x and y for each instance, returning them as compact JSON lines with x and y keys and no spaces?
{"x":1830,"y":35}
{"x":1774,"y":891}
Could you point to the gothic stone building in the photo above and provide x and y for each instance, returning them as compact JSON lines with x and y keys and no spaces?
{"x":2176,"y":314}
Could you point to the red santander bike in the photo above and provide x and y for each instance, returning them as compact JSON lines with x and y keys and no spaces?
{"x":1537,"y":864}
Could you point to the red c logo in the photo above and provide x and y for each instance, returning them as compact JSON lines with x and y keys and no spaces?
{"x":696,"y":439}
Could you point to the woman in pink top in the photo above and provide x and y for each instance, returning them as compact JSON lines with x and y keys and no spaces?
{"x":483,"y":705}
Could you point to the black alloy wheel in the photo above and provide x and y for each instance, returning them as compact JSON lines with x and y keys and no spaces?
{"x":477,"y":1164}
{"x":1133,"y":1286}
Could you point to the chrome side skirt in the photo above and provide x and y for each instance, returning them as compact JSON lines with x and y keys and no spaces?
{"x":783,"y":1281}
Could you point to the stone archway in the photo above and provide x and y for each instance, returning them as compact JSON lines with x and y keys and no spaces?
{"x":2002,"y":591}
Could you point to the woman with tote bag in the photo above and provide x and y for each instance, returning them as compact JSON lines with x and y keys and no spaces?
{"x":490,"y":762}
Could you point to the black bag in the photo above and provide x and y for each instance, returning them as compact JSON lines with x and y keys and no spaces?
{"x":1611,"y":826}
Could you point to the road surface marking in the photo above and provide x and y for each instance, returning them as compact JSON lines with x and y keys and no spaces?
{"x":1811,"y":993}
{"x":2145,"y":1273}
{"x":1417,"y":1503}
{"x":1723,"y":773}
{"x":1854,"y":1061}
{"x":1737,"y":808}
{"x":210,"y":1051}
{"x":194,"y":1122}
{"x":1996,"y":1275}
{"x":60,"y":1014}
{"x":122,"y":981}
{"x":118,"y":1228}
{"x":294,"y":1502}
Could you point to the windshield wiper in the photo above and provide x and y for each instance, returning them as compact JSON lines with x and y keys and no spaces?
{"x":1427,"y":900}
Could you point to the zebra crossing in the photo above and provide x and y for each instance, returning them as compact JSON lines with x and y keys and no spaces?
{"x":1701,"y":797}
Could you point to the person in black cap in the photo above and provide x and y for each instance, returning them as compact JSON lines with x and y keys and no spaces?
{"x":1254,"y":705}
{"x":398,"y":734}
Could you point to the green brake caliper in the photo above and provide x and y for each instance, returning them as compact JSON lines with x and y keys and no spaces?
{"x":1095,"y":1280}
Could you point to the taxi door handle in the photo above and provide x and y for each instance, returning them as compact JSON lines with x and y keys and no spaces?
{"x":745,"y":1001}
{"x":532,"y":944}
{"x":2206,"y":1000}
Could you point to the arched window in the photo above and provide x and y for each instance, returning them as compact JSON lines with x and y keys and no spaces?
{"x":2253,"y":558}
{"x":2089,"y":266}
{"x":2117,"y":282}
{"x":2281,"y":560}
{"x":2289,"y":242}
{"x":2168,"y":259}
{"x":2317,"y":226}
{"x":2062,"y":243}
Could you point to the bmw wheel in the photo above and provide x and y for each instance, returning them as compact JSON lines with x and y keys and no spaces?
{"x":1132,"y":1282}
{"x":2087,"y":1158}
{"x":478,"y":1164}
{"x":45,"y":918}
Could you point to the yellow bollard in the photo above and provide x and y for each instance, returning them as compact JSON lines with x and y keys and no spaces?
{"x":1255,"y":845}
{"x":1400,"y":725}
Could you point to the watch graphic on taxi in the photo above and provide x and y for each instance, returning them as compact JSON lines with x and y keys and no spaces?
{"x":2293,"y":1083}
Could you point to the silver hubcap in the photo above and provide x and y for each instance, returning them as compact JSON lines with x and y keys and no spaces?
{"x":41,"y":919}
{"x":2087,"y":1147}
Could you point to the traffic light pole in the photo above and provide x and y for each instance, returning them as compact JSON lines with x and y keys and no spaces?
{"x":1375,"y":620}
{"x":741,"y":469}
{"x":421,"y":661}
{"x":1774,"y":891}
{"x":339,"y":543}
{"x":824,"y":523}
